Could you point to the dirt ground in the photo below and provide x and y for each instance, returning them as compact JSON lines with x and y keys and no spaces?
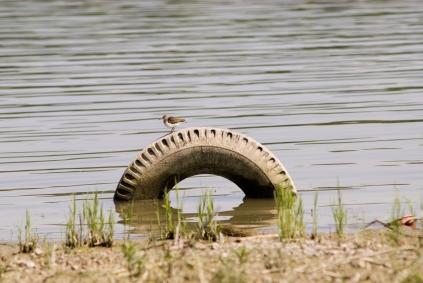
{"x":367,"y":256}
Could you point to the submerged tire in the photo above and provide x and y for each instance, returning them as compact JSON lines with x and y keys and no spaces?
{"x":188,"y":152}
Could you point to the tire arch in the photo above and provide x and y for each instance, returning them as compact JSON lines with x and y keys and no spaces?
{"x":192,"y":151}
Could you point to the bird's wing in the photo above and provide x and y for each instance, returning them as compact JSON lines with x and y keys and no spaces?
{"x":174,"y":120}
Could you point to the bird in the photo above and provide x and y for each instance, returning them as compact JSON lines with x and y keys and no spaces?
{"x":172,"y":122}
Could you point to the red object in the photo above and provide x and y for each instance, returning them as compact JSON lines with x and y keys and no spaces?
{"x":408,"y":220}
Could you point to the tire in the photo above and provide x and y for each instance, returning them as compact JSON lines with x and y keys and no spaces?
{"x":192,"y":151}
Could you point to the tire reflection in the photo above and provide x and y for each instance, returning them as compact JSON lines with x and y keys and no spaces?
{"x":142,"y":217}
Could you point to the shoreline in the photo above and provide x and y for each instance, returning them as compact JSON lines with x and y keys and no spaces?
{"x":365,"y":256}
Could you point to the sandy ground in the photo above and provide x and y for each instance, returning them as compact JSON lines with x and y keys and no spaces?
{"x":368,"y":256}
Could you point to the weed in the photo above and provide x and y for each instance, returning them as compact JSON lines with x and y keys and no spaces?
{"x":110,"y":230}
{"x":169,"y":232}
{"x":339,"y":214}
{"x":28,"y":244}
{"x":242,"y":254}
{"x":72,"y":238}
{"x":395,"y":224}
{"x":50,"y":258}
{"x":180,"y":229}
{"x":134,"y":262}
{"x":299,"y":217}
{"x":290,"y":214}
{"x":94,"y":230}
{"x":168,"y":259}
{"x":99,"y":232}
{"x":229,"y":271}
{"x":2,"y":270}
{"x":415,"y":277}
{"x":127,"y":214}
{"x":315,"y":216}
{"x":207,"y":227}
{"x":421,"y":220}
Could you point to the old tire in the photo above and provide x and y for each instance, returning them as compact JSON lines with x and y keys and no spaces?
{"x":192,"y":151}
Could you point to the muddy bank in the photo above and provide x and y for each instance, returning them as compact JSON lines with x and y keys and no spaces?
{"x":368,"y":256}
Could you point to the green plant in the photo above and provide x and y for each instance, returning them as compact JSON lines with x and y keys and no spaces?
{"x":168,"y":261}
{"x":414,"y":277}
{"x":207,"y":227}
{"x":180,"y":229}
{"x":50,"y":254}
{"x":421,"y":220}
{"x":2,"y":270}
{"x":242,"y":254}
{"x":169,"y":232}
{"x":290,"y":214}
{"x":339,"y":214}
{"x":299,"y":216}
{"x":394,"y":223}
{"x":134,"y":262}
{"x":315,"y":216}
{"x":229,"y":271}
{"x":94,"y":219}
{"x":99,"y":233}
{"x":29,"y":243}
{"x":72,"y":238}
{"x":127,"y":214}
{"x":110,"y":229}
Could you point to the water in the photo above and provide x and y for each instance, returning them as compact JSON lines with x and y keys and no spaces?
{"x":333,"y":88}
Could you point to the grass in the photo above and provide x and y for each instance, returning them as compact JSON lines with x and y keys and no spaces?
{"x":99,"y":232}
{"x":207,"y":226}
{"x":73,"y":239}
{"x":290,"y":214}
{"x":395,"y":224}
{"x":29,"y":243}
{"x":134,"y":262}
{"x":230,"y":269}
{"x":171,"y":230}
{"x":339,"y":214}
{"x":127,"y":215}
{"x":95,"y":229}
{"x":242,"y":254}
{"x":315,"y":216}
{"x":2,"y":270}
{"x":421,"y":220}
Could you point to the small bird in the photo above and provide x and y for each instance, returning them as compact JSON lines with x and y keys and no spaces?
{"x":172,"y":122}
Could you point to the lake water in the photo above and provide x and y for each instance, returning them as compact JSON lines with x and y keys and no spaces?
{"x":333,"y":88}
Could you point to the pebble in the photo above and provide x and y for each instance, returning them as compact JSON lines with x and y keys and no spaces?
{"x":38,"y":251}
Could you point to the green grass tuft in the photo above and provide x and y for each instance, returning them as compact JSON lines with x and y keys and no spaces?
{"x":134,"y":262}
{"x":30,"y":241}
{"x":315,"y":216}
{"x":395,"y":224}
{"x":72,"y":237}
{"x":339,"y":214}
{"x":290,"y":214}
{"x":94,"y":229}
{"x":207,"y":226}
{"x":99,"y":232}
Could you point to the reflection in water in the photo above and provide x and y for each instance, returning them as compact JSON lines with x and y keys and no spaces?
{"x":251,"y":214}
